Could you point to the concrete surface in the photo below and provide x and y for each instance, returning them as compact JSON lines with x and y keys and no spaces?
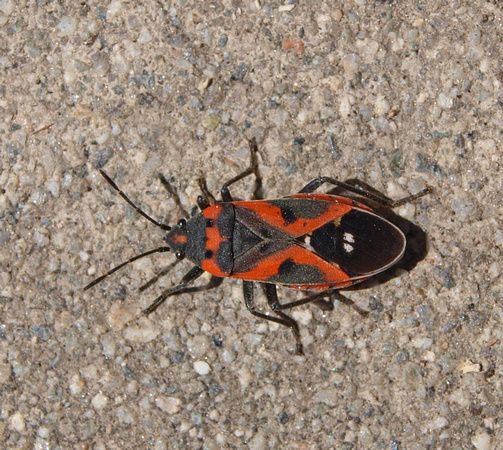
{"x":400,"y":95}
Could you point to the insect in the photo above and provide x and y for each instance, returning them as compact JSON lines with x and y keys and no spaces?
{"x":307,"y":241}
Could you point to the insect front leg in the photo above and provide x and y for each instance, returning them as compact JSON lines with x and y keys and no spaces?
{"x":252,"y":169}
{"x":207,"y":198}
{"x":189,"y":277}
{"x":272,"y":298}
{"x":174,"y":195}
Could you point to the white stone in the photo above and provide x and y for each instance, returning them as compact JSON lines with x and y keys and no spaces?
{"x":202,"y":367}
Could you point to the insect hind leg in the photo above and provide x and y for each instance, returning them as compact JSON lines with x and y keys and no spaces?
{"x":359,"y":190}
{"x":323,"y":300}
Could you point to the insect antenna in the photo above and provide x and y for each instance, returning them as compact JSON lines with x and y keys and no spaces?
{"x":125,"y":263}
{"x":162,"y":226}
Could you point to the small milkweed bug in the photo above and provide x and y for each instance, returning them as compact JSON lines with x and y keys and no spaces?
{"x":307,"y":241}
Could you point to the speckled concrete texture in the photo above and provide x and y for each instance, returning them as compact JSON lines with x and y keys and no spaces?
{"x":399,"y":94}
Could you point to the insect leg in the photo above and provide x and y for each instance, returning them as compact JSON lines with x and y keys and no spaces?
{"x":316,"y":183}
{"x":207,"y":199}
{"x":174,"y":195}
{"x":157,"y":277}
{"x":283,"y":319}
{"x":189,"y":277}
{"x":272,"y":298}
{"x":326,"y":305}
{"x":252,"y":169}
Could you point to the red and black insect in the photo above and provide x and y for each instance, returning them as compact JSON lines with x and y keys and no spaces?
{"x":306,"y":241}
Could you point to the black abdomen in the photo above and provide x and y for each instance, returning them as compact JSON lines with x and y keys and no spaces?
{"x":360,"y":243}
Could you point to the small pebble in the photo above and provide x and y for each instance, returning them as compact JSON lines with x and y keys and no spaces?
{"x":445,"y":101}
{"x":469,"y":367}
{"x":381,"y":106}
{"x":482,"y":441}
{"x":438,"y":423}
{"x":44,"y":432}
{"x":257,"y":442}
{"x":303,"y":316}
{"x":465,"y":207}
{"x":171,"y":405}
{"x":350,"y":64}
{"x":125,"y":417}
{"x":198,"y":345}
{"x":76,"y":385}
{"x":99,"y":401}
{"x":202,"y":367}
{"x":5,"y":372}
{"x":227,"y":356}
{"x":67,"y":26}
{"x":144,"y":333}
{"x":17,"y":423}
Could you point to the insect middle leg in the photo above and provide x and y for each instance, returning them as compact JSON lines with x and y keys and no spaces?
{"x":316,"y":183}
{"x":272,"y":298}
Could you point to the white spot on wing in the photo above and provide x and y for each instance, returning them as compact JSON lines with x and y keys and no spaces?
{"x":348,"y":237}
{"x":348,"y":248}
{"x":307,"y":243}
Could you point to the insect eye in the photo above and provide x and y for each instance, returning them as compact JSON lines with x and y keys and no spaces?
{"x":180,"y":255}
{"x":182,"y":223}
